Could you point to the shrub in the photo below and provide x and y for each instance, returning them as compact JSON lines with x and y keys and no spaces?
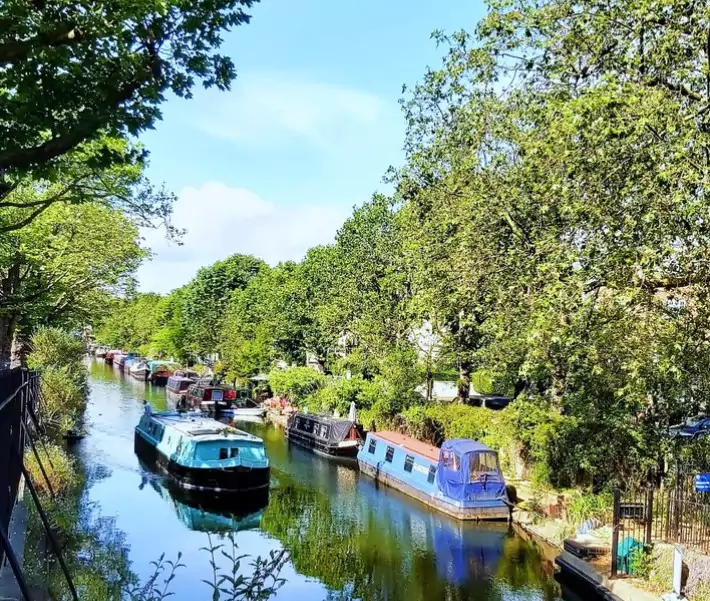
{"x":59,"y":467}
{"x":297,"y":383}
{"x":63,"y":398}
{"x":339,"y":393}
{"x":52,"y":347}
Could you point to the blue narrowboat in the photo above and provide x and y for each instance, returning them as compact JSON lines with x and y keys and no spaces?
{"x":463,"y":478}
{"x":201,"y":453}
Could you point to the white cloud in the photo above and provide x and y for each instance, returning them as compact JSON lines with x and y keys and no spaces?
{"x":221,"y":221}
{"x":276,"y":109}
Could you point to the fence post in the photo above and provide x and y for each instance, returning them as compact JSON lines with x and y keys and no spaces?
{"x":649,"y":516}
{"x":615,"y":534}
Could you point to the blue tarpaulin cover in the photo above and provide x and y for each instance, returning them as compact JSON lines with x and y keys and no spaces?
{"x":469,"y":472}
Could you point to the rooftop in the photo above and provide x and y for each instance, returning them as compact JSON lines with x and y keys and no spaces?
{"x":411,"y":444}
{"x":197,"y":425}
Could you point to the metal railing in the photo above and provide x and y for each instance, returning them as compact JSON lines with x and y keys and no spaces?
{"x":674,"y":513}
{"x":19,"y":429}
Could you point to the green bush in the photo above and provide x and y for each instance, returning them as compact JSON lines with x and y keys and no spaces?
{"x":297,"y":383}
{"x":52,"y":347}
{"x":63,"y":399}
{"x":59,"y":467}
{"x":64,"y":378}
{"x":340,"y":392}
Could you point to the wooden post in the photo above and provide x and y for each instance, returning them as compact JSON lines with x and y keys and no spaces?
{"x":615,"y":534}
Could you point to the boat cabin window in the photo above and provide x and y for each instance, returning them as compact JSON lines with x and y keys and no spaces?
{"x":482,"y":464}
{"x":228,"y":453}
{"x":372,"y":447}
{"x":323,"y":431}
{"x":389,"y":454}
{"x":408,"y":463}
{"x":432,"y":474}
{"x":451,"y":460}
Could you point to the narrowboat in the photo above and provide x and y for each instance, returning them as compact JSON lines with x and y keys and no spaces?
{"x":202,"y":454}
{"x":178,"y":383}
{"x":323,"y":435}
{"x":128,"y":362}
{"x":100,"y":352}
{"x":242,"y":406}
{"x":160,"y":371}
{"x":110,"y":355}
{"x":462,"y":479}
{"x":139,"y":369}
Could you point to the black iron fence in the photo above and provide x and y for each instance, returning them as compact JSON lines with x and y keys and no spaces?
{"x":18,"y":390}
{"x":20,"y":430}
{"x":676,"y":513}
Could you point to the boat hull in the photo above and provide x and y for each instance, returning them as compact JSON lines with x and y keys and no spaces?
{"x":318,"y":446}
{"x":139,"y":375}
{"x":222,"y":480}
{"x":490,"y":512}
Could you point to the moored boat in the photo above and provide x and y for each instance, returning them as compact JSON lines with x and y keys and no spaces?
{"x":160,"y":371}
{"x":178,"y":383}
{"x":139,"y":369}
{"x":128,"y":362}
{"x":110,"y":356}
{"x":242,"y":406}
{"x":325,"y":435}
{"x":463,"y":478}
{"x":201,"y":453}
{"x":100,"y":352}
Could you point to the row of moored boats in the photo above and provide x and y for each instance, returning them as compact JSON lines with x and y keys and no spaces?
{"x":462,"y":478}
{"x":185,"y":387}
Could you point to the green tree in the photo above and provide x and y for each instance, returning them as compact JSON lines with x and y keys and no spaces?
{"x":555,"y":203}
{"x":58,"y":270}
{"x":123,"y":57}
{"x":206,"y":298}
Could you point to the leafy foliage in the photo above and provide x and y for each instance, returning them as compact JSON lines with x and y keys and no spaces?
{"x":297,"y":383}
{"x":206,"y":298}
{"x":123,"y":56}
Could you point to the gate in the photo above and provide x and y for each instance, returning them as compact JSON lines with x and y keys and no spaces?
{"x":677,"y":514}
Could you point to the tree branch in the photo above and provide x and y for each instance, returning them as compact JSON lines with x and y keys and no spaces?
{"x":64,"y":35}
{"x":675,"y":87}
{"x":26,"y":157}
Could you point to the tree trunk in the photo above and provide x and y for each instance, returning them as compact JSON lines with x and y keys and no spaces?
{"x":6,"y":333}
{"x":20,"y":347}
{"x":464,"y":384}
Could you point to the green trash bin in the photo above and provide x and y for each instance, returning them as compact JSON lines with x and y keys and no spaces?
{"x":625,"y":552}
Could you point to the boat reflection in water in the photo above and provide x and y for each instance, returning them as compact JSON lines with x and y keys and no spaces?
{"x":208,"y":512}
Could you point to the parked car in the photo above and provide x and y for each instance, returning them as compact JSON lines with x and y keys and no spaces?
{"x":693,"y":427}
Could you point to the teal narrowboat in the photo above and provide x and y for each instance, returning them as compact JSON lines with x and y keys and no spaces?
{"x":200,"y":453}
{"x":463,"y":478}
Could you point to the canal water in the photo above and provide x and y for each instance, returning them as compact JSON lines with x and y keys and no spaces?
{"x":346,"y":537}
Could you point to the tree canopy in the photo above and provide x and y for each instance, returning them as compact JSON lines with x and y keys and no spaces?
{"x":548,"y":232}
{"x":71,"y":70}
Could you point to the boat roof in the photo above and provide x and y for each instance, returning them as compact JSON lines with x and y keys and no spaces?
{"x":206,"y":428}
{"x":464,"y":445}
{"x":325,"y":419}
{"x":159,"y":362}
{"x":411,"y":444}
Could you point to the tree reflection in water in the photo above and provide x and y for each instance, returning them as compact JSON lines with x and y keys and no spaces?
{"x":391,"y":548}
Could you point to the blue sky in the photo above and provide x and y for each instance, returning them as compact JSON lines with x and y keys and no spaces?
{"x":309,"y":128}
